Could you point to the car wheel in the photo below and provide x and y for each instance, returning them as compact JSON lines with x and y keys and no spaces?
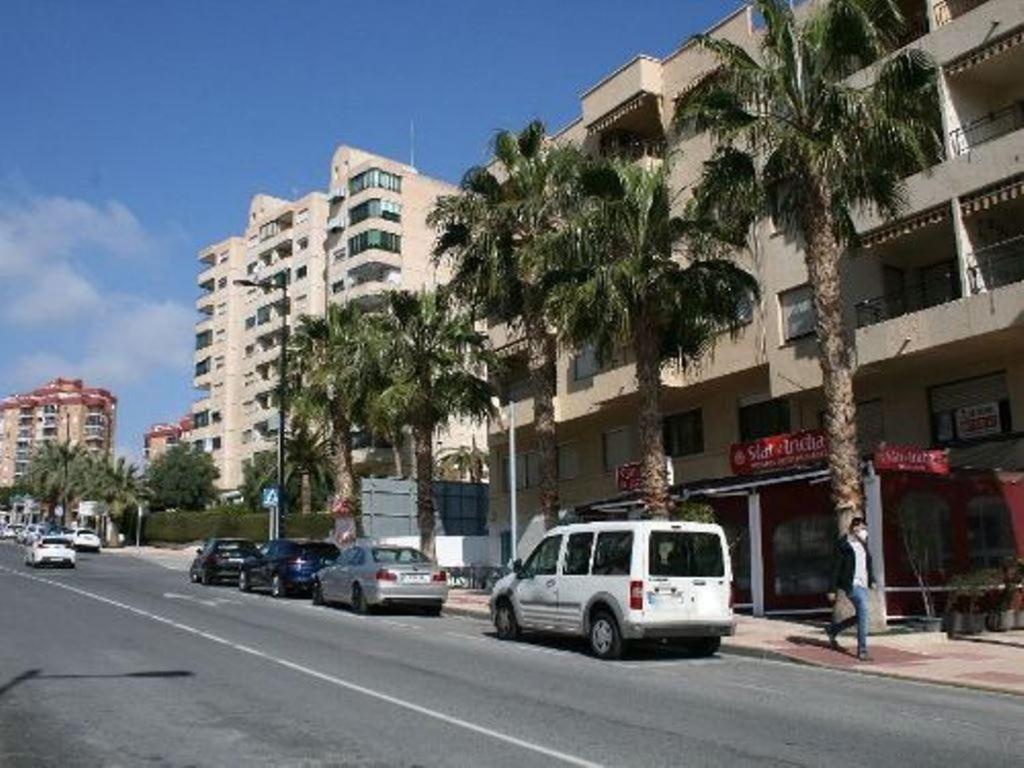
{"x":243,"y":582}
{"x":505,"y":621}
{"x":192,"y":576}
{"x":703,"y":646}
{"x":358,"y":600}
{"x":434,"y":610}
{"x":605,"y":638}
{"x":206,"y":578}
{"x":277,"y":586}
{"x":318,"y":593}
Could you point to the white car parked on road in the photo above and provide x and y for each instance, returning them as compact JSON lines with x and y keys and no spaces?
{"x":50,"y":550}
{"x":612,"y":582}
{"x":85,"y":540}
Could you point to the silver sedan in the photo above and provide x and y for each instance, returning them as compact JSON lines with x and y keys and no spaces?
{"x":366,"y":576}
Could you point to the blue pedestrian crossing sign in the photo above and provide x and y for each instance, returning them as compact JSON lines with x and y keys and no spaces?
{"x":270,"y":496}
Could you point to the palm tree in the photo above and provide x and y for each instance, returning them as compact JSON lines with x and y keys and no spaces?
{"x":493,"y":234}
{"x":434,"y":360}
{"x":383,"y":420}
{"x":309,"y":462}
{"x":54,"y":473}
{"x":802,"y":142}
{"x":333,"y":368}
{"x":121,"y":485}
{"x":465,"y":461}
{"x":661,"y":306}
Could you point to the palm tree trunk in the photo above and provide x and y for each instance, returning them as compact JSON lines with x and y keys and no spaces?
{"x":396,"y":453}
{"x":654,"y":479}
{"x":835,"y":355}
{"x":423,"y":436}
{"x":306,"y":494}
{"x":543,"y":353}
{"x":344,"y":477}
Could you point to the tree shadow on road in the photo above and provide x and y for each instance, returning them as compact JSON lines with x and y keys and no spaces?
{"x":37,"y":674}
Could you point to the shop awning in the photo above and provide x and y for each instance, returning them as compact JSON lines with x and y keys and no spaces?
{"x":980,"y":201}
{"x":1004,"y":455}
{"x":904,"y":226}
{"x":994,"y":48}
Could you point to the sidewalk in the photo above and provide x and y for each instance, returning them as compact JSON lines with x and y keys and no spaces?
{"x":177,"y":559}
{"x":991,"y":661}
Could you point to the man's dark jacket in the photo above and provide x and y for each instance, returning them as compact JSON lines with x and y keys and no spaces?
{"x":845,"y":563}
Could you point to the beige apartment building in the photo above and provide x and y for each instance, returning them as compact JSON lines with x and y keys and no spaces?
{"x":62,"y":411}
{"x":936,"y":299}
{"x":161,"y":437}
{"x":367,"y":235}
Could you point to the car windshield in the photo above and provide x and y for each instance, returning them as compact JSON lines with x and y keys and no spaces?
{"x":398,"y":555}
{"x":86,"y":532}
{"x":686,"y":554}
{"x":53,"y":540}
{"x":324,"y":550}
{"x":236,"y":548}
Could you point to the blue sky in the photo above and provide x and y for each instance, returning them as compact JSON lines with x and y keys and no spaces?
{"x":134,"y":133}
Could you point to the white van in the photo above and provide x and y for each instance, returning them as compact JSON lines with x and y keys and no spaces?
{"x":618,"y":581}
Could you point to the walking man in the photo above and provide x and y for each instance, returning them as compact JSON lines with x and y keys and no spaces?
{"x":852,"y":572}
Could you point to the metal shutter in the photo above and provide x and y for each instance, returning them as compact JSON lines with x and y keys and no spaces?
{"x":985,"y":389}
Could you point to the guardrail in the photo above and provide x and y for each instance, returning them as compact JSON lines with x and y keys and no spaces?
{"x":987,"y":128}
{"x":997,"y":265}
{"x":937,"y":290}
{"x":947,"y":10}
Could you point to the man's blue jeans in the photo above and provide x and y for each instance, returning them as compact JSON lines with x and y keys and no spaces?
{"x":859,"y":597}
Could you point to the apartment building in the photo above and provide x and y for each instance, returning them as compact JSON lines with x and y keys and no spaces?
{"x":63,"y":411}
{"x":936,"y":300}
{"x":365,"y":236}
{"x":160,"y":437}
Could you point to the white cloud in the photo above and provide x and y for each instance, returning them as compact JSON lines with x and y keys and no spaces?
{"x":58,"y":296}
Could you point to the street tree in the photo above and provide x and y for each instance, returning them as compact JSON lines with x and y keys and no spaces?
{"x":434,"y":372}
{"x":182,"y":478}
{"x":803,"y":141}
{"x":632,"y":284}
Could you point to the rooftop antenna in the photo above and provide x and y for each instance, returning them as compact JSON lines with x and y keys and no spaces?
{"x":412,"y":143}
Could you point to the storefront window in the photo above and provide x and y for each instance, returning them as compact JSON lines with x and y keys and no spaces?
{"x":738,"y":538}
{"x":989,"y":532}
{"x":925,"y":530}
{"x":803,"y":550}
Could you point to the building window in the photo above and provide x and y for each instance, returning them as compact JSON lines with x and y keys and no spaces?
{"x":797,"y":308}
{"x":215,"y":444}
{"x":203,"y":367}
{"x":222,"y":283}
{"x":568,"y":461}
{"x":250,"y":322}
{"x":375,"y":208}
{"x":925,"y":530}
{"x":263,"y":315}
{"x":585,"y":364}
{"x":617,"y":448}
{"x":375,"y":238}
{"x":989,"y":532}
{"x":204,"y":339}
{"x":222,"y":258}
{"x":375,"y":177}
{"x":301,"y":272}
{"x":764,"y":419}
{"x":684,"y":433}
{"x":973,"y":409}
{"x":802,"y":554}
{"x":201,"y":419}
{"x":302,"y":216}
{"x":338,"y":286}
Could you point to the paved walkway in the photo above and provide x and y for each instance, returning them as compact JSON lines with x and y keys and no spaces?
{"x":991,"y":661}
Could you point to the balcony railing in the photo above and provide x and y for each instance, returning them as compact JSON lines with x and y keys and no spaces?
{"x":991,"y":126}
{"x":998,"y":265}
{"x":938,"y":289}
{"x":947,"y":10}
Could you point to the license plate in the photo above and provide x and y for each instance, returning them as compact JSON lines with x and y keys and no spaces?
{"x":416,"y":578}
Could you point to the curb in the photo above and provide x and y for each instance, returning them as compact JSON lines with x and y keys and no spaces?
{"x":469,"y":613}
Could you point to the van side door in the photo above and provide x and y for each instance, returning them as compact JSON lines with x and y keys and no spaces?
{"x":574,"y":583}
{"x":536,"y":593}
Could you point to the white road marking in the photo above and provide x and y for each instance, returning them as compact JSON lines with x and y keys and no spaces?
{"x":213,"y":602}
{"x":337,"y":681}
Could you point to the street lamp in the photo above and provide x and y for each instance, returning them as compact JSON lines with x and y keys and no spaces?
{"x":278,"y":281}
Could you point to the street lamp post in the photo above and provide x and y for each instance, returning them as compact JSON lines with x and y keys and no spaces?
{"x":279,"y":281}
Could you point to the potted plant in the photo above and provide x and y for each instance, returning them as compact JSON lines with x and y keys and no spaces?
{"x":962,"y":612}
{"x":921,"y":543}
{"x":1006,"y":603}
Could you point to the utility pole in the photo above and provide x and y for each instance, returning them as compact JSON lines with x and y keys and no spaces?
{"x":512,"y":474}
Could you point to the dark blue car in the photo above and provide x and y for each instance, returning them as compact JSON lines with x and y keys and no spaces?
{"x":286,"y":566}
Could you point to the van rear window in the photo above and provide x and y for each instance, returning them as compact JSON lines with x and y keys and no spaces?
{"x":686,"y":554}
{"x":613,"y":553}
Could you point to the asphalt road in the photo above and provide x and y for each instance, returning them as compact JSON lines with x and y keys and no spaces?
{"x":122,"y":662}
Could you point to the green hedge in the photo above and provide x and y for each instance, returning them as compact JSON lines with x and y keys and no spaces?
{"x":184,"y":527}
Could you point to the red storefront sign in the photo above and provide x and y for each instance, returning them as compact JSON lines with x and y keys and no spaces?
{"x":778,"y":452}
{"x":628,"y":476}
{"x":910,"y":458}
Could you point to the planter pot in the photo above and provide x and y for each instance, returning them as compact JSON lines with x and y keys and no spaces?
{"x":960,"y":623}
{"x":1019,"y":622}
{"x":1000,"y":621}
{"x":929,"y":625}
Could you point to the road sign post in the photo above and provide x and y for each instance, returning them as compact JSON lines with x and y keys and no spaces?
{"x":271,"y":500}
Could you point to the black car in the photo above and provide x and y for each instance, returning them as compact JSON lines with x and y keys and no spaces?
{"x":220,"y":559}
{"x":286,"y":565}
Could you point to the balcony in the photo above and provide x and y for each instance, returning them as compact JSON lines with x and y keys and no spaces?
{"x":944,"y":11}
{"x":336,"y":194}
{"x":336,"y":224}
{"x":939,"y":287}
{"x":986,"y":128}
{"x":997,"y":265}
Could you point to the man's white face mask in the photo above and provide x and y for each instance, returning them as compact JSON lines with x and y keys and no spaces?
{"x":862,"y":534}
